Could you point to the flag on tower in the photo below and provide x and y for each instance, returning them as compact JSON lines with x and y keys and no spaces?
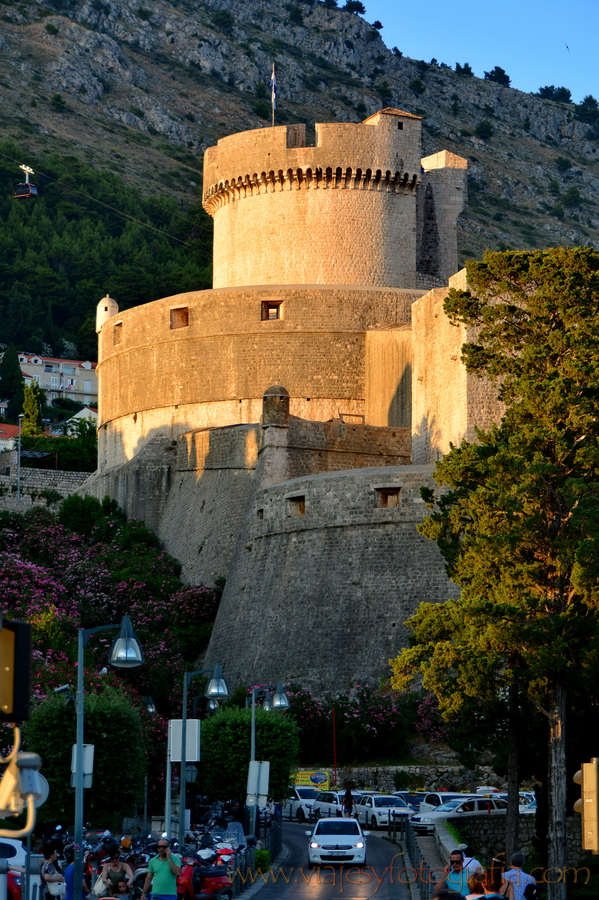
{"x":273,"y":92}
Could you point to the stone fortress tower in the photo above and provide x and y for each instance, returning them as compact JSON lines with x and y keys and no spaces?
{"x":266,"y":429}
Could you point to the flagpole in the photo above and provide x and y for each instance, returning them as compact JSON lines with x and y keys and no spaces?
{"x":273,"y":94}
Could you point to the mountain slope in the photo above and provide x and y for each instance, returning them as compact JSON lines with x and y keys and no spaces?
{"x":148,"y":87}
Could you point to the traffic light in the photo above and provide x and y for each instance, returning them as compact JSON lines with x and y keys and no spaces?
{"x":15,"y":670}
{"x":588,"y":778}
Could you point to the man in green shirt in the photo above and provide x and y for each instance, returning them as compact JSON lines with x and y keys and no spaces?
{"x":162,"y":873}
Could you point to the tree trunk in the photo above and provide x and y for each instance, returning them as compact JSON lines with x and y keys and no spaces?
{"x":557,"y":791}
{"x":513,"y":797}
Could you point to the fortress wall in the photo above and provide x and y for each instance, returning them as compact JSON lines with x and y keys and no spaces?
{"x":447,"y":402}
{"x":163,"y":380}
{"x":316,"y":236}
{"x":439,"y":381}
{"x":345,"y":573}
{"x":388,"y":373}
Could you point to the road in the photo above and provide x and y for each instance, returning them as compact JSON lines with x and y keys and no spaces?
{"x":380,"y":879}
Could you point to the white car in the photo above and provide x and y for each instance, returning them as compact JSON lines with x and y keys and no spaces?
{"x":337,"y":841}
{"x":14,"y":852}
{"x":424,"y":823}
{"x":299,"y":804}
{"x":376,"y":811}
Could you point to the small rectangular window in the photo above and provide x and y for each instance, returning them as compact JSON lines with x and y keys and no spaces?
{"x":117,"y":333}
{"x":180,"y":317}
{"x":400,"y":126}
{"x":260,"y":513}
{"x":386,"y":497}
{"x":296,"y":506}
{"x":271,"y":310}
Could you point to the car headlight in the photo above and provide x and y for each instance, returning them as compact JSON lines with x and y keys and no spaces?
{"x":427,"y":821}
{"x":360,"y":844}
{"x":314,"y":845}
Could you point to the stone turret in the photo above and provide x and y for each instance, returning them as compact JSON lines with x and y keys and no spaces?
{"x":105,"y":310}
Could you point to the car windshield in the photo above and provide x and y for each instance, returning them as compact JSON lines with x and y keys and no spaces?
{"x":389,"y":801}
{"x":337,"y":828}
{"x":307,"y":793}
{"x":448,"y":806}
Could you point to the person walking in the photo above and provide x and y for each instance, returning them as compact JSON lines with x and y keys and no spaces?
{"x":515,"y":881}
{"x":163,"y":870}
{"x":69,"y":876}
{"x":348,"y":804}
{"x":50,"y":870}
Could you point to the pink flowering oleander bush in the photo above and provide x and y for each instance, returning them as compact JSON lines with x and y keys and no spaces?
{"x":89,"y":567}
{"x":370,"y":723}
{"x":429,"y":722}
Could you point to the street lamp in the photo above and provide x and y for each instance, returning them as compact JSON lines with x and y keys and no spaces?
{"x":278,"y":700}
{"x":125,"y":653}
{"x":21,"y":417}
{"x":216,"y":690}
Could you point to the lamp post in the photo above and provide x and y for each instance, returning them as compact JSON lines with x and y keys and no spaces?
{"x":278,"y":700}
{"x":216,"y":690}
{"x":21,"y":417}
{"x":125,"y":653}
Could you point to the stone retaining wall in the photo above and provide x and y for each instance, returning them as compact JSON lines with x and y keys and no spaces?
{"x":39,"y":487}
{"x":425,"y":777}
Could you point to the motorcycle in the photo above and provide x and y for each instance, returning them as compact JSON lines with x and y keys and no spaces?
{"x":201,"y":879}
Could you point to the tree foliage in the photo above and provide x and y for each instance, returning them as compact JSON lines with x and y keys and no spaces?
{"x":86,"y":234}
{"x":11,"y":383}
{"x":32,"y":409}
{"x":558,"y":95}
{"x":226,"y":751}
{"x":519,"y":525}
{"x":499,"y":76}
{"x":76,"y":452}
{"x":113,"y":725}
{"x":465,"y":70}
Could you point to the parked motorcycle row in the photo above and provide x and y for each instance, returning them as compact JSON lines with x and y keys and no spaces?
{"x":212,"y":853}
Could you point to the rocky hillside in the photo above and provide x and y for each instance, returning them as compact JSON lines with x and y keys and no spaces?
{"x":144,"y":89}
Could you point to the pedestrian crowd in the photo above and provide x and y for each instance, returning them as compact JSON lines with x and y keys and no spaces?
{"x":466,"y":879}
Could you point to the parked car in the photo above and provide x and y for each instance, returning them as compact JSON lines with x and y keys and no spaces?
{"x":434,"y":799}
{"x":329,"y":803}
{"x":337,"y":840}
{"x":377,"y":810}
{"x":14,"y":852}
{"x":412,"y":798}
{"x":300,"y":802}
{"x":424,"y":823}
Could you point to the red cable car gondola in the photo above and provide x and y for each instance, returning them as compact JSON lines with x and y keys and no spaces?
{"x":25,"y":190}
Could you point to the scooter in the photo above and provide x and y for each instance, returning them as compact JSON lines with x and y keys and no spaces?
{"x":200,"y":879}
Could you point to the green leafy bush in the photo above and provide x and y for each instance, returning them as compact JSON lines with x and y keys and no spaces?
{"x":484,"y":130}
{"x":296,"y":16}
{"x":50,"y":28}
{"x":499,"y":76}
{"x":418,"y":86}
{"x":465,"y":70}
{"x":261,"y":109}
{"x":562,"y":164}
{"x":223,"y":20}
{"x":226,"y":751}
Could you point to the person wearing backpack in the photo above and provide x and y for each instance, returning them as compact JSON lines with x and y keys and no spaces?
{"x":515,"y":881}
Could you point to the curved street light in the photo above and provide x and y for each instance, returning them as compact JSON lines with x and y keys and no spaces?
{"x":125,"y":653}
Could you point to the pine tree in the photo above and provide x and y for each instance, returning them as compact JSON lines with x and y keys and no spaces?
{"x":519,"y":526}
{"x":32,"y":403}
{"x":11,"y":384}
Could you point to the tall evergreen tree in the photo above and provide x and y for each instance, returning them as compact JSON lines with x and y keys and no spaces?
{"x":519,"y":526}
{"x":11,"y":384}
{"x":32,"y":408}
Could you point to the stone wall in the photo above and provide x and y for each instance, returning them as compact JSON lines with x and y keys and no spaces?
{"x":325,"y":571}
{"x":423,"y":778}
{"x":39,"y":487}
{"x":159,"y":380}
{"x":486,"y":835}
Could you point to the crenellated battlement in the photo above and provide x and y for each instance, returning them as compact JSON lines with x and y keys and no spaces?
{"x":329,"y":178}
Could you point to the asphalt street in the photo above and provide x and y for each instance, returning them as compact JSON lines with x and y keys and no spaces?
{"x":381,"y":878}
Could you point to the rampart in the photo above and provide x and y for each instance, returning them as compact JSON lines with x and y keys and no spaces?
{"x":337,"y":562}
{"x":39,"y":487}
{"x":203,"y":359}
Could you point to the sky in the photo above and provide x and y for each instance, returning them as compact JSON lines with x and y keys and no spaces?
{"x":537,"y":42}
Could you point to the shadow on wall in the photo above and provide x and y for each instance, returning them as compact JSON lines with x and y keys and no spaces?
{"x":399,"y":411}
{"x":191,"y":492}
{"x":426,"y":440}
